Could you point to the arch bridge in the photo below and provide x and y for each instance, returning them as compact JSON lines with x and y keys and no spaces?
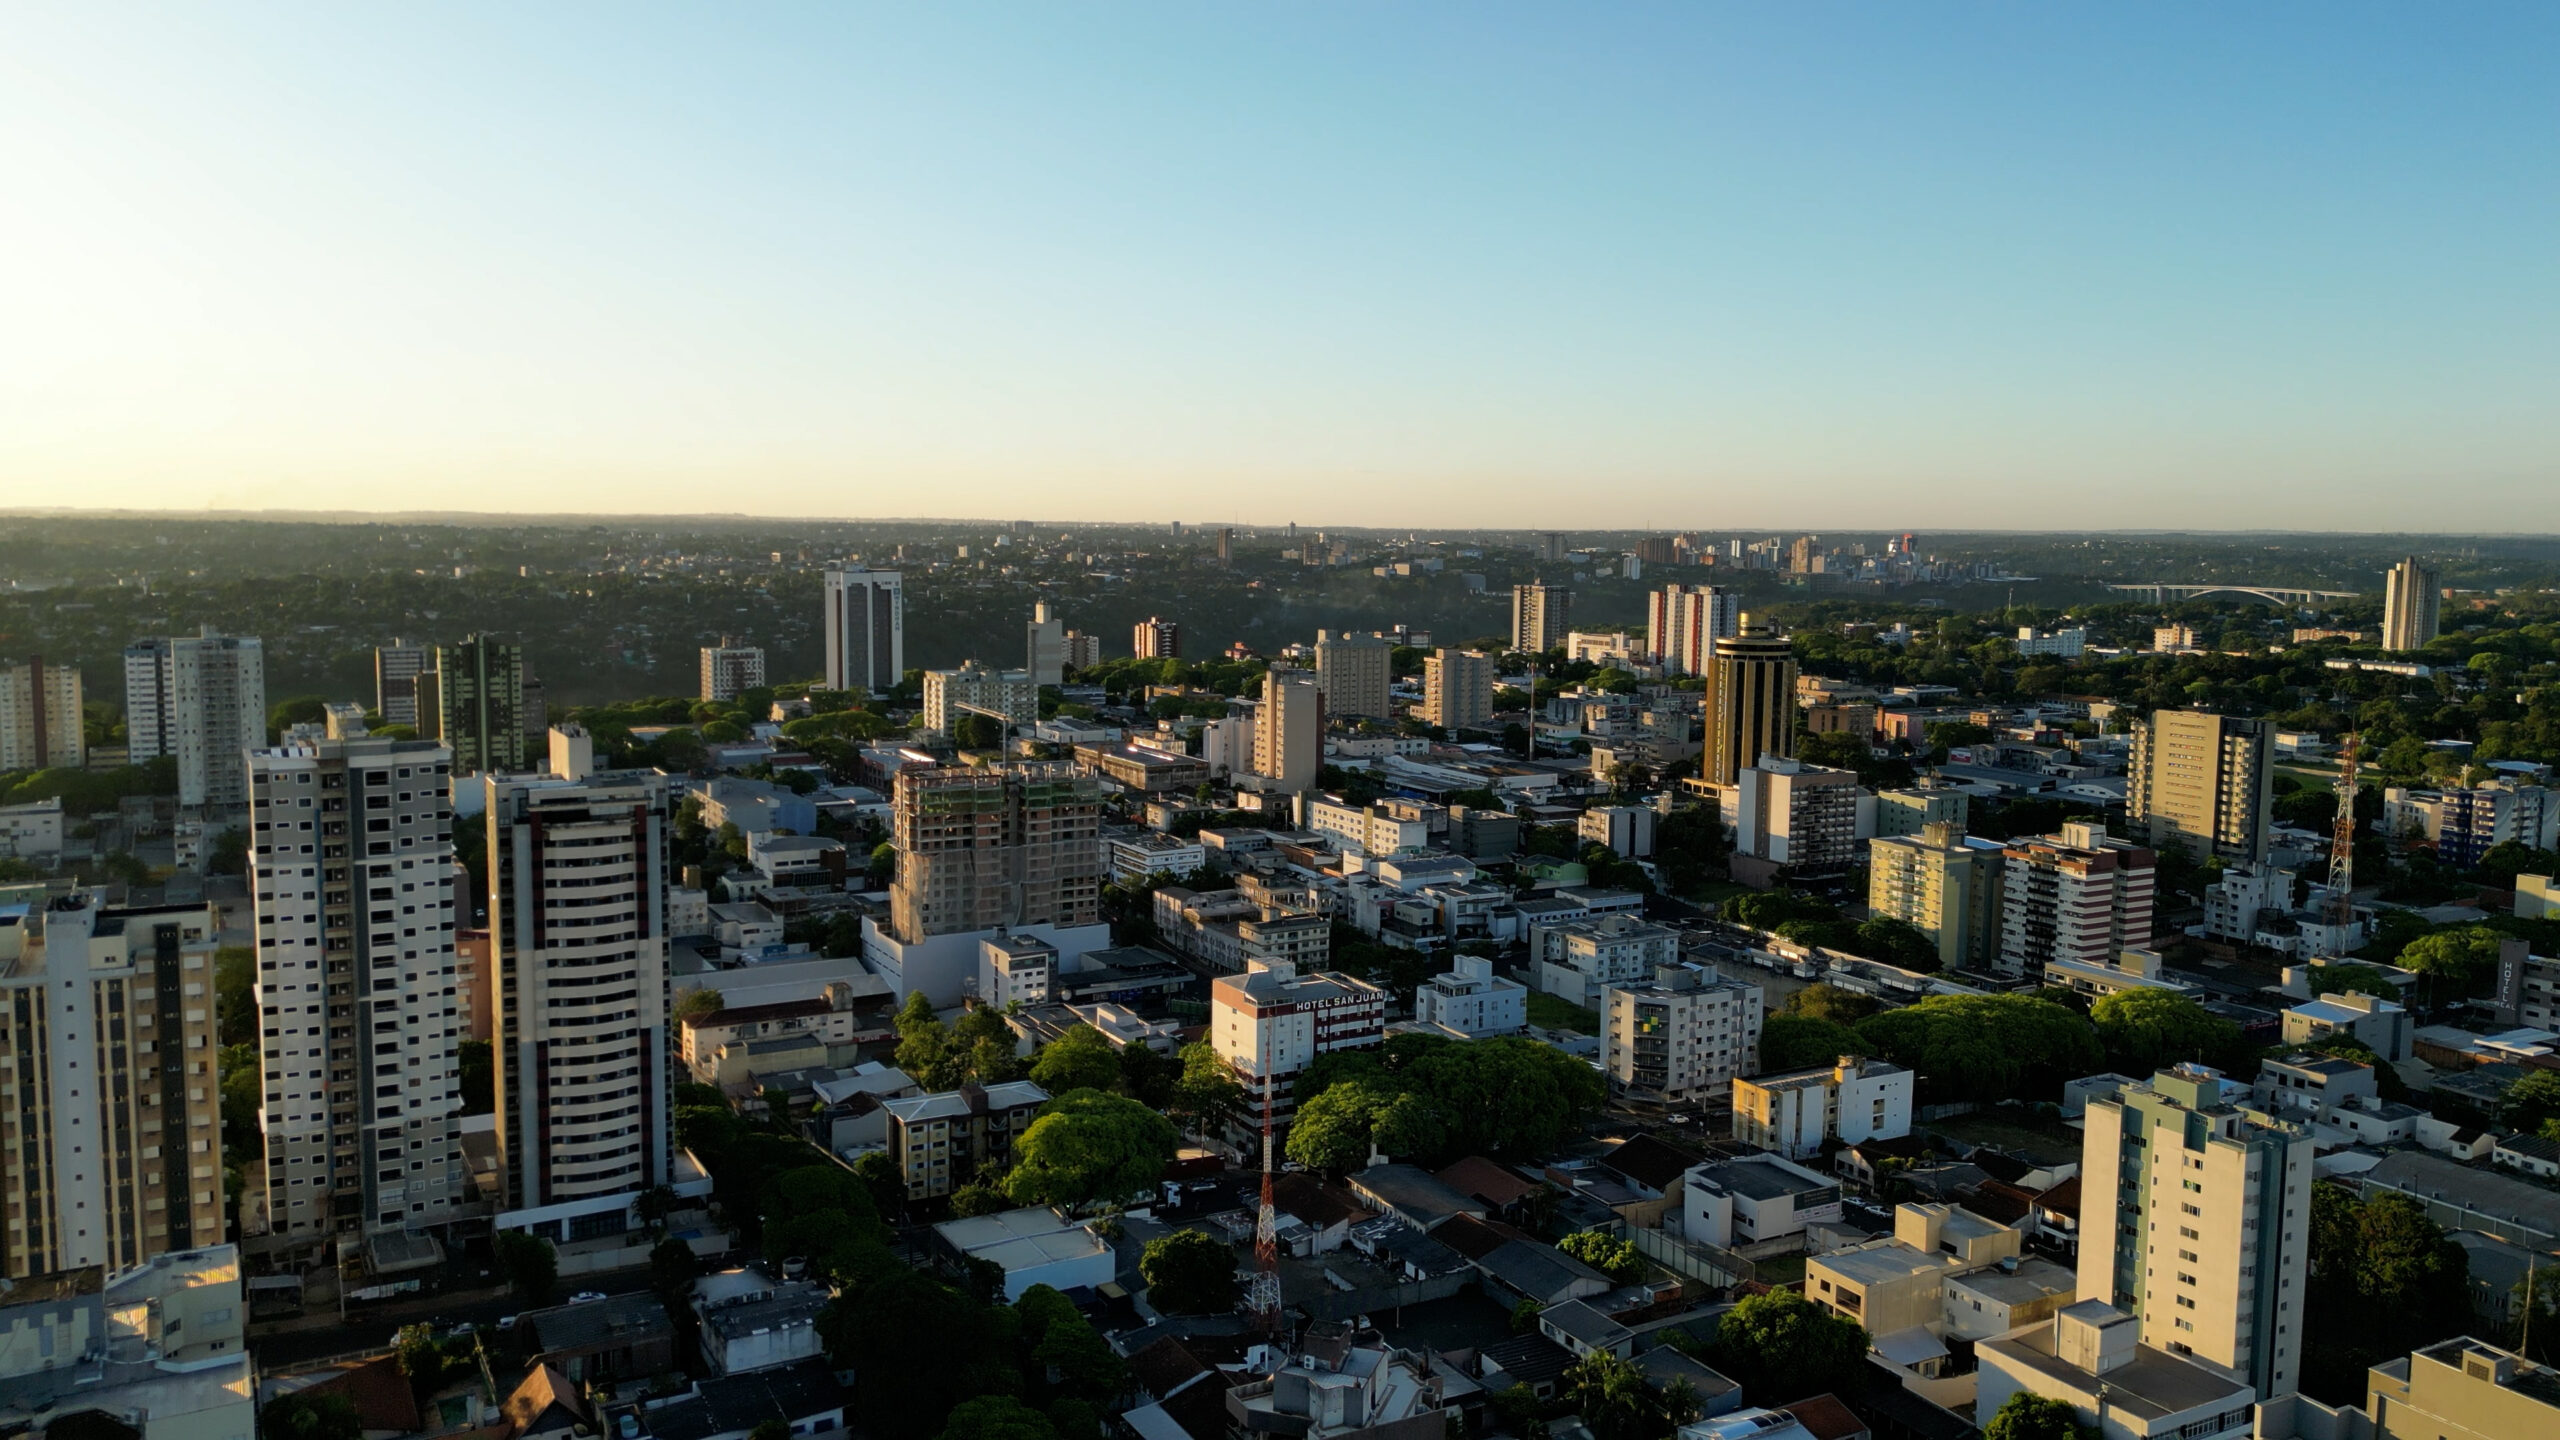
{"x":2162,"y":593}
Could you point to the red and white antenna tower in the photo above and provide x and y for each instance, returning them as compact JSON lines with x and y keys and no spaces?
{"x":2342,"y":840}
{"x":1262,"y":1296}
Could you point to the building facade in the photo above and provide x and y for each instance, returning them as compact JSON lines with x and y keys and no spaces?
{"x":1355,"y":672}
{"x":1044,"y":646}
{"x":940,"y":1141}
{"x":1288,"y":731}
{"x":1010,"y":696}
{"x":1457,"y":689}
{"x":1854,"y":1100}
{"x":983,"y":847}
{"x":203,"y":699}
{"x":1684,"y":622}
{"x":110,"y":1130}
{"x":731,"y":669}
{"x":396,"y":668}
{"x":40,"y":717}
{"x":2203,"y":782}
{"x":1751,"y":702}
{"x":1802,"y":817}
{"x":2081,"y":897}
{"x":480,"y":703}
{"x":1541,"y":616}
{"x":577,"y":921}
{"x":1271,"y":1021}
{"x":2196,"y":1220}
{"x":2412,"y":605}
{"x":1470,"y":999}
{"x":352,"y":868}
{"x":1944,"y":887}
{"x":866,"y":628}
{"x":1156,"y":638}
{"x":1682,"y":1036}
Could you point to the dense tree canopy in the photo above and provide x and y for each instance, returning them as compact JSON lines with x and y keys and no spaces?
{"x":1986,"y":1047}
{"x":2145,"y":1029}
{"x":2384,"y":1280}
{"x":1781,"y":1343}
{"x":1432,"y":1100}
{"x":1188,"y":1273}
{"x":1088,"y":1147}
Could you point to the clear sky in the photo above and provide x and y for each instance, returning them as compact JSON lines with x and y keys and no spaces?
{"x":1890,"y":265}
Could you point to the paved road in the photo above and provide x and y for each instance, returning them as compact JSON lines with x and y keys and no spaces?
{"x":370,"y":1327}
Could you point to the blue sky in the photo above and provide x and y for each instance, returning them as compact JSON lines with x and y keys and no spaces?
{"x":1692,"y":265}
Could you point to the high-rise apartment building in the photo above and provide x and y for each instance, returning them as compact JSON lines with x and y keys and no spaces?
{"x":577,"y":923}
{"x":1683,"y":1035}
{"x":1270,"y":1022}
{"x":1009,"y":696}
{"x":2412,"y":605}
{"x":1156,"y":638}
{"x":2203,"y":782}
{"x":1226,"y":546}
{"x":480,"y":704}
{"x":2081,"y":897}
{"x":2195,"y":1217}
{"x":1045,"y":646}
{"x":396,"y":668}
{"x":1751,"y":702}
{"x":1684,"y":622}
{"x":1082,"y":651}
{"x":1942,"y":886}
{"x":866,"y":628}
{"x":1288,"y":731}
{"x":1356,"y":673}
{"x":1802,"y":817}
{"x":1908,"y":812}
{"x":1802,"y":558}
{"x":203,"y":699}
{"x":112,"y":1115}
{"x":731,"y":669}
{"x":982,"y":847}
{"x":1541,"y":616}
{"x":40,"y":716}
{"x":1457,"y":689}
{"x":351,"y":868}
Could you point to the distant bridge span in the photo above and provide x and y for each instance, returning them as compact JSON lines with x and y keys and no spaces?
{"x":2162,"y":594}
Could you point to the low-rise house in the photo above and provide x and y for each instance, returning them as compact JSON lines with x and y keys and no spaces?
{"x":2308,"y":1083}
{"x":1133,"y":854}
{"x":1797,"y":1114}
{"x":1034,"y":1246}
{"x":749,"y":1322}
{"x":805,"y":1398}
{"x":547,"y":1405}
{"x":1529,"y":1270}
{"x":1582,"y":1330}
{"x":2532,"y":1154}
{"x":1472,"y":1000}
{"x":621,"y":1337}
{"x":1754,"y":1202}
{"x":1351,"y":1385}
{"x":1413,"y":1195}
{"x":939,"y":1141}
{"x":2087,"y":1356}
{"x":2381,"y":1025}
{"x":1504,"y":1193}
{"x":716,"y":1048}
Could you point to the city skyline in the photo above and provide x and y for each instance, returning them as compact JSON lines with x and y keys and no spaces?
{"x":1665,"y":268}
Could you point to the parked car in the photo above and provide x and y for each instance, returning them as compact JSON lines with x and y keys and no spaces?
{"x":584,"y":1296}
{"x":628,"y":1426}
{"x":507,"y":1322}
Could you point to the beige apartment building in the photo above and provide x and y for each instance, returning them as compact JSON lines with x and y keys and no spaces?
{"x":2412,"y":605}
{"x":2203,"y":782}
{"x":110,"y":1116}
{"x":1457,"y":689}
{"x":1288,"y":731}
{"x":1942,"y":886}
{"x":1355,"y":672}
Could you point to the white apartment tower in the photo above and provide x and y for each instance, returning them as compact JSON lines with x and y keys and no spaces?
{"x":396,"y":668}
{"x":1541,"y":615}
{"x":2196,"y":1218}
{"x":731,"y":669}
{"x":1045,"y":646}
{"x":1356,"y":672}
{"x":203,"y":699}
{"x":1288,"y":732}
{"x":1684,"y":622}
{"x":2080,"y":897}
{"x":1011,"y":696}
{"x":40,"y":720}
{"x":1270,"y":1022}
{"x":2412,"y":605}
{"x":577,"y":927}
{"x":866,"y":628}
{"x":112,"y":1110}
{"x":352,"y":870}
{"x":1684,"y":1035}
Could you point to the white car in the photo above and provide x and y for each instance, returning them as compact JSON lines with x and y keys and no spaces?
{"x":584,"y":1296}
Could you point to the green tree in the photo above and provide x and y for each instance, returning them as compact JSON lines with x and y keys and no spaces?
{"x":2531,"y":1101}
{"x":698,"y":1002}
{"x":1896,"y":942}
{"x":478,"y":1076}
{"x":235,"y":997}
{"x":1825,"y":1001}
{"x":997,"y":1417}
{"x":1188,"y":1273}
{"x":879,"y":1175}
{"x":415,"y":1351}
{"x":1087,"y":1147}
{"x":2027,"y":1416}
{"x":1783,"y":1344}
{"x":1800,"y":1042}
{"x":2457,"y":961}
{"x":304,"y":1416}
{"x":2145,"y":1029}
{"x":1986,"y":1047}
{"x":1524,"y":1317}
{"x":1066,"y":1347}
{"x":1613,"y":1397}
{"x":1518,"y":1411}
{"x":1081,"y":1059}
{"x":672,"y":1270}
{"x":1610,"y":1255}
{"x":2354,"y":980}
{"x":2383,"y":1280}
{"x":529,"y":1263}
{"x":925,"y":1047}
{"x":1208,"y":1091}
